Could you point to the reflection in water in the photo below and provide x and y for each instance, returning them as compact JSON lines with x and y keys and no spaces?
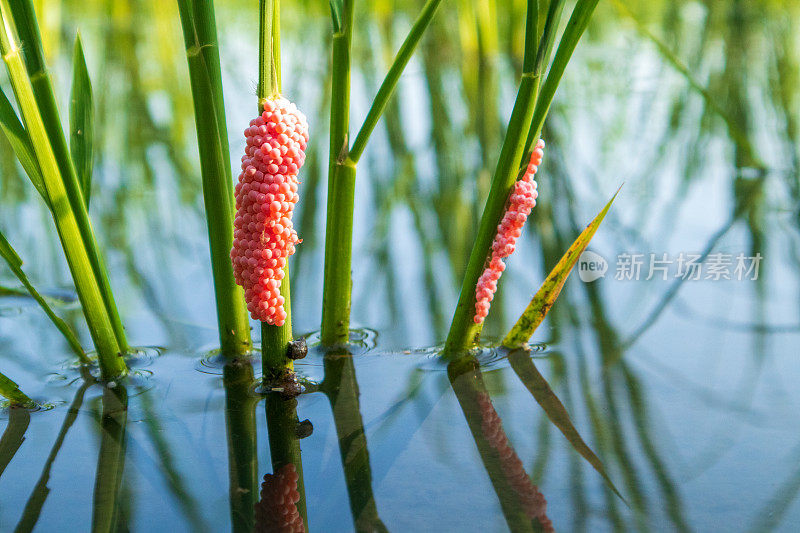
{"x":111,"y":459}
{"x":33,"y":507}
{"x":674,"y":385}
{"x":19,"y":419}
{"x":240,"y":424}
{"x":524,"y":507}
{"x":341,"y":388}
{"x":287,"y":464}
{"x":280,"y":498}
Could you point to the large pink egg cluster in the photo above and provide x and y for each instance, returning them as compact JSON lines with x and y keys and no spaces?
{"x":531,"y":500}
{"x":277,"y":510}
{"x":520,"y":203}
{"x":263,"y":235}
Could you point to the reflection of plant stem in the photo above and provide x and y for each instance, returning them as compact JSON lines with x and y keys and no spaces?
{"x":240,"y":423}
{"x":14,"y":435}
{"x":33,"y":508}
{"x":467,"y":382}
{"x":111,"y":459}
{"x":284,"y":444}
{"x":341,"y":388}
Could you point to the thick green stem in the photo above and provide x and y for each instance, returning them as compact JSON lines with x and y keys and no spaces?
{"x":341,"y":192}
{"x":338,"y":255}
{"x":269,"y":50}
{"x":274,"y":339}
{"x":202,"y":53}
{"x":464,"y":332}
{"x":24,"y":17}
{"x":69,"y":216}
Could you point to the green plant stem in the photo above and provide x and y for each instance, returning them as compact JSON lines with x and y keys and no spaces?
{"x":341,"y":192}
{"x":343,"y":159}
{"x":576,"y":25}
{"x":274,"y":339}
{"x":269,"y":50}
{"x":390,"y":81}
{"x":68,"y":226}
{"x":24,"y":17}
{"x":202,"y":53}
{"x":464,"y":332}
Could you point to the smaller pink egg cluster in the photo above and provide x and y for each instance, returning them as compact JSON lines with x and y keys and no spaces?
{"x":277,"y":510}
{"x":263,"y":235}
{"x":532,"y":501}
{"x":520,"y":203}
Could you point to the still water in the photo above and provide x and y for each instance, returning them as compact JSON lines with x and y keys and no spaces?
{"x":661,"y":396}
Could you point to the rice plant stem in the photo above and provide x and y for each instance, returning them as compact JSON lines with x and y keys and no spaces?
{"x":67,"y":224}
{"x":576,"y":25}
{"x":23,"y":15}
{"x":464,"y":332}
{"x":274,"y":339}
{"x":202,"y":53}
{"x":390,"y":81}
{"x":341,"y":192}
{"x":269,"y":50}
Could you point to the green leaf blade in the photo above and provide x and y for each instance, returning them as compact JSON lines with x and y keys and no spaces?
{"x":547,"y":294}
{"x":10,"y":390}
{"x":81,"y":120}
